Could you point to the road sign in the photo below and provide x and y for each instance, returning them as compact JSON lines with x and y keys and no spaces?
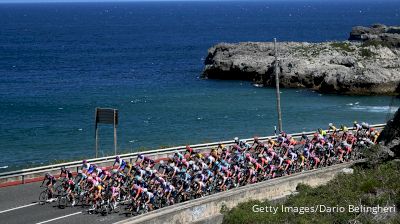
{"x":106,"y":116}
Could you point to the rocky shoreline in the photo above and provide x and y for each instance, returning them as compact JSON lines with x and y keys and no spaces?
{"x":369,"y":64}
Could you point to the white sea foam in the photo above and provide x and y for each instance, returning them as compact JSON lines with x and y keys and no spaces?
{"x":375,"y":109}
{"x":3,"y":167}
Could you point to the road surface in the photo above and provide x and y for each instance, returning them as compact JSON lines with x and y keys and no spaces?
{"x":19,"y":204}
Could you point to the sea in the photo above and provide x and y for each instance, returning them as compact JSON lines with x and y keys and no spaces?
{"x":59,"y":61}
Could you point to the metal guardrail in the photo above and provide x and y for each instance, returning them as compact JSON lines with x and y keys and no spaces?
{"x":76,"y":164}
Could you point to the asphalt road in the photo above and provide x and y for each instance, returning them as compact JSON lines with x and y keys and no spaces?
{"x":18,"y":204}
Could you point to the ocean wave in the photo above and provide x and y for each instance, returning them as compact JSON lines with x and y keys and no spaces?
{"x":375,"y":109}
{"x":3,"y":167}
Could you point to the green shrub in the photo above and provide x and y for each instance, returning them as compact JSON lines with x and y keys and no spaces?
{"x":367,"y":53}
{"x":342,"y":46}
{"x":375,"y":43}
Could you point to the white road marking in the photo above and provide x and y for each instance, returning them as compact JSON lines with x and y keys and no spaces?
{"x":23,"y":206}
{"x":61,"y":217}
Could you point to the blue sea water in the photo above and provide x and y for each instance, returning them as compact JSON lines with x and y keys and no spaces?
{"x":60,"y":61}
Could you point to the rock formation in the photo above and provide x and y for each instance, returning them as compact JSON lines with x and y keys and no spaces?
{"x":390,"y":136}
{"x":368,"y":66}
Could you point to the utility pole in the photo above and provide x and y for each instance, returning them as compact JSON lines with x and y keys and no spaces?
{"x":278,"y":94}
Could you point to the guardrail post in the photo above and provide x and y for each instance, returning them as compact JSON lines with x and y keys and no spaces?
{"x":23,"y":179}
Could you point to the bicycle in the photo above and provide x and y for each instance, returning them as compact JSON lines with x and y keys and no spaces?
{"x":45,"y":195}
{"x":63,"y":200}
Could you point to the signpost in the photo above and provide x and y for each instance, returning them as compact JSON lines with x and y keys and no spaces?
{"x":106,"y":116}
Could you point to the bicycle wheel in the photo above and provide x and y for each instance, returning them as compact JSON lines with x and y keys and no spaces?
{"x":59,"y":190}
{"x":62,"y":202}
{"x":43,"y":197}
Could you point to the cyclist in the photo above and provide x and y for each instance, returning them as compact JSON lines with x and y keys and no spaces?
{"x":71,"y":191}
{"x":51,"y":181}
{"x":332,"y":128}
{"x":85,"y":166}
{"x":150,"y":198}
{"x":66,"y":173}
{"x":115,"y":191}
{"x":121,"y":163}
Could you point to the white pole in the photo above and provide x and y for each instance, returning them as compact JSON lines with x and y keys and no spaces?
{"x":278,"y":95}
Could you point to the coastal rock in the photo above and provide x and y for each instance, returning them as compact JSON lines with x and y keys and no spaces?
{"x":362,"y":68}
{"x":390,"y":136}
{"x":377,"y":34}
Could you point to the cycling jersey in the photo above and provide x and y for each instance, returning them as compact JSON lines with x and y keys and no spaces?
{"x":67,"y":172}
{"x":91,"y":169}
{"x":50,"y":180}
{"x":115,"y":191}
{"x":85,"y":166}
{"x":293,"y":155}
{"x":120,"y":162}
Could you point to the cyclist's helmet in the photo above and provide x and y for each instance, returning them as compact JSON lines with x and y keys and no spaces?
{"x":63,"y":169}
{"x":47,"y":175}
{"x":330,"y":124}
{"x":84,"y":161}
{"x":117,"y":158}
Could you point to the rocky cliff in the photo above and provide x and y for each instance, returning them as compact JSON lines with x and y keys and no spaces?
{"x":390,"y":136}
{"x":368,"y":66}
{"x":377,"y":34}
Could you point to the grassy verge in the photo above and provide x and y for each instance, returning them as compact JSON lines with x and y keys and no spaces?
{"x":366,"y":186}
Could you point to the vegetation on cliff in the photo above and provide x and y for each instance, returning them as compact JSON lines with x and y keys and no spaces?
{"x":368,"y":187}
